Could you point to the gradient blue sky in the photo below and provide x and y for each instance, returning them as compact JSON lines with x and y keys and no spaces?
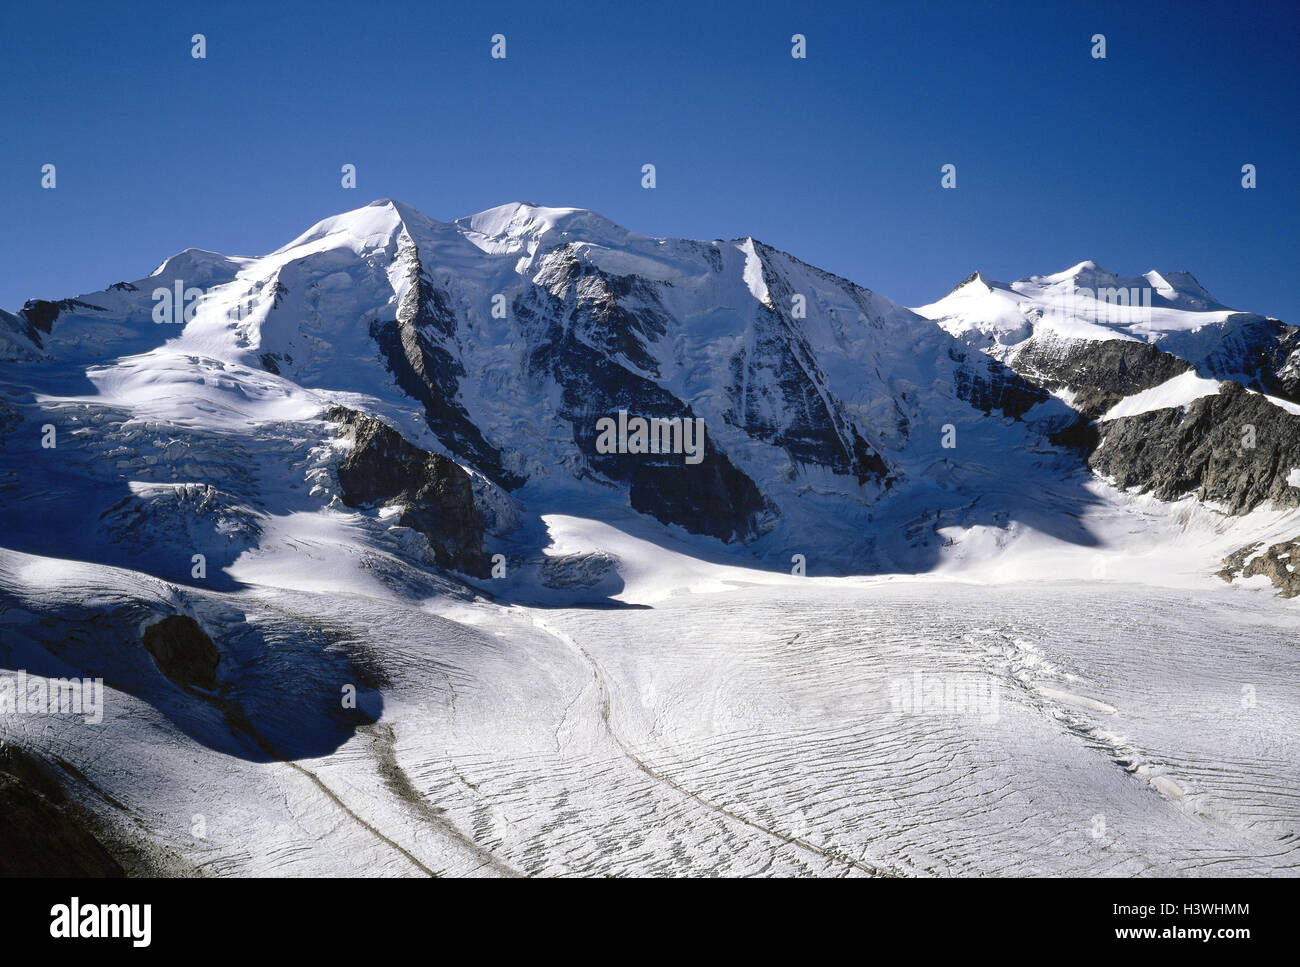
{"x":1133,"y":161}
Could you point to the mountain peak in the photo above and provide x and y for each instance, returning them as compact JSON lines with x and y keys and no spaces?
{"x":1084,"y":271}
{"x":1182,"y":289}
{"x":522,"y":219}
{"x":972,"y":283}
{"x":198,"y":266}
{"x":374,"y":224}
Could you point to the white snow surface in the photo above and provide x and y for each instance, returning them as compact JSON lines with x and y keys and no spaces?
{"x":703,"y":711}
{"x":1180,"y":391}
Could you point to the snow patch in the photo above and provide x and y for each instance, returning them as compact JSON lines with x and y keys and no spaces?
{"x":1181,"y":391}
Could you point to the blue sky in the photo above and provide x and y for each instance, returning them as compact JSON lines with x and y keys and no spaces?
{"x":1134,"y":160}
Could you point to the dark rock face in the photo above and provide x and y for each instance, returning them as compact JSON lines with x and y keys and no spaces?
{"x":40,"y":315}
{"x":966,"y":281}
{"x":1288,"y":372}
{"x":1100,"y":373}
{"x":578,"y":570}
{"x":183,"y":652}
{"x":813,"y":428}
{"x":1277,"y":563}
{"x":712,"y":497}
{"x":17,"y":331}
{"x":412,"y":347}
{"x":599,"y":314}
{"x":1204,"y":452}
{"x":810,"y":429}
{"x":42,"y":834}
{"x":271,"y":362}
{"x":436,"y":495}
{"x":989,"y":385}
{"x":1263,"y":353}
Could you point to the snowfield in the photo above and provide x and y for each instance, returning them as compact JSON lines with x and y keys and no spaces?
{"x":901,"y":658}
{"x":771,"y":727}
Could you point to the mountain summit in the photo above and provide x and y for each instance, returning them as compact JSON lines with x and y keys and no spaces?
{"x":479,"y":359}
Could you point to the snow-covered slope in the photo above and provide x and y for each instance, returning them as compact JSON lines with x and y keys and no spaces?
{"x":837,"y":424}
{"x":372,"y":460}
{"x":502,"y":340}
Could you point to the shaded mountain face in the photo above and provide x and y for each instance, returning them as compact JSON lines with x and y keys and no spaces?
{"x":429,"y":492}
{"x":446,"y":383}
{"x":44,"y":834}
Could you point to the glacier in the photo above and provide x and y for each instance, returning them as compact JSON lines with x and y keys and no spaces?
{"x":367,"y":597}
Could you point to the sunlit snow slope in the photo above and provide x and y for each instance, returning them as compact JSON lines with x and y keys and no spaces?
{"x":367,"y":597}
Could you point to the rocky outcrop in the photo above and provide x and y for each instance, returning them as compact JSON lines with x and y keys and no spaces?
{"x":16,"y":338}
{"x":1099,"y":374}
{"x":712,"y":497}
{"x":567,"y":571}
{"x":1284,"y":365}
{"x":1263,"y":353}
{"x":988,"y":385}
{"x":1206,"y":451}
{"x":812,"y":426}
{"x":433,"y":494}
{"x":42,"y":833}
{"x":1277,"y":563}
{"x":183,"y":652}
{"x":411,"y":346}
{"x":39,"y":314}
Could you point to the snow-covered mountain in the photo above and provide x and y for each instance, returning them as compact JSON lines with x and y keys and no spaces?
{"x":236,"y":484}
{"x":1051,"y":326}
{"x":1176,"y":393}
{"x":501,"y":341}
